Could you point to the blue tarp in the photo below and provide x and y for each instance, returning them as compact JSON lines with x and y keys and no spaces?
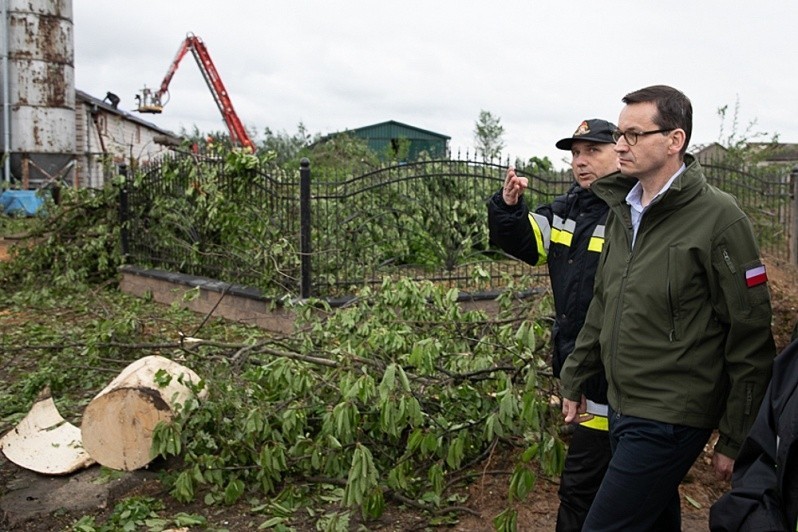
{"x":18,"y":202}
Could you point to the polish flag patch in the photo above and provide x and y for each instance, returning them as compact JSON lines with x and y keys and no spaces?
{"x":755,"y":276}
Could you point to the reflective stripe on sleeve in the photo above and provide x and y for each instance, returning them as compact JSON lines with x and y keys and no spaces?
{"x":542,"y":229}
{"x":597,"y":408}
{"x":596,"y":239}
{"x":600,"y":412}
{"x":597,"y":423}
{"x":562,"y":231}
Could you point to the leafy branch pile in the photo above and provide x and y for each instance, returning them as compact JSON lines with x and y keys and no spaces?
{"x":396,"y":397}
{"x":395,"y":400}
{"x":75,"y":243}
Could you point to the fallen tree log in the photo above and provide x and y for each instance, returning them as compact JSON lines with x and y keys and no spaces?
{"x":118,"y":423}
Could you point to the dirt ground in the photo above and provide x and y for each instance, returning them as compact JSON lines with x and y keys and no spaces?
{"x":38,"y":503}
{"x":32,"y":502}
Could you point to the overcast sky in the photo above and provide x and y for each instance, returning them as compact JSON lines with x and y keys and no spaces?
{"x":540,"y":66}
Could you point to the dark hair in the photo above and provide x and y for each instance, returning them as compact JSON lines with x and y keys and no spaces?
{"x":674,"y":109}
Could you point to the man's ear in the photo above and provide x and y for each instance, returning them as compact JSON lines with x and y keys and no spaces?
{"x":678,"y":138}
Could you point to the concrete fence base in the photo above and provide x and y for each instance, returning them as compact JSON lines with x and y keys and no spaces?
{"x":233,"y":302}
{"x":205,"y":296}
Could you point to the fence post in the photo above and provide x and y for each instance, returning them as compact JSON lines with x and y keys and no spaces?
{"x":304,"y":227}
{"x":123,"y":214}
{"x":794,"y":215}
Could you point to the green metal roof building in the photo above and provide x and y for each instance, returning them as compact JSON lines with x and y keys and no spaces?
{"x":387,"y":137}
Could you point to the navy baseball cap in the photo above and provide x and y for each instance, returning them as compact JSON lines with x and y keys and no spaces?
{"x":595,"y":130}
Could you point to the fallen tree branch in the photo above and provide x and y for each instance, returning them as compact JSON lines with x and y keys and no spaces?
{"x":58,"y":347}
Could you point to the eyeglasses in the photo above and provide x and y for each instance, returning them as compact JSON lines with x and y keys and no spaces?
{"x":632,"y":136}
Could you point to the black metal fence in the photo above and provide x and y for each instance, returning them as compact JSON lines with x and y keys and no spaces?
{"x":765,"y":194}
{"x":327,"y":235}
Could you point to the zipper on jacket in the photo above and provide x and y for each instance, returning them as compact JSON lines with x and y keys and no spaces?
{"x":616,"y":325}
{"x":728,"y":261}
{"x":749,"y":398}
{"x":732,"y":268}
{"x":672,"y":336}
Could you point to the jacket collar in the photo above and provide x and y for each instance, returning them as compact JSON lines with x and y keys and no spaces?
{"x":614,"y":188}
{"x":585,"y":196}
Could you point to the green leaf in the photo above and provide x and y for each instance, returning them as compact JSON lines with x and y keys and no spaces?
{"x":490,"y":427}
{"x":162,"y":378}
{"x":506,"y":521}
{"x":273,"y":522}
{"x":362,"y":476}
{"x":388,"y":381}
{"x":530,"y":453}
{"x":454,"y":456}
{"x":693,"y":502}
{"x":183,"y":489}
{"x":375,"y":504}
{"x":388,"y":417}
{"x":233,"y":491}
{"x":403,"y":379}
{"x":415,"y":439}
{"x":522,"y":482}
{"x":184,"y":519}
{"x":436,"y":479}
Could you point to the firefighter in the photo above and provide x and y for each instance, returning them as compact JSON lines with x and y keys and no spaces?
{"x":568,"y":235}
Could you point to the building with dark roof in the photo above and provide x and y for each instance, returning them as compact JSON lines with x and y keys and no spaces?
{"x":106,"y":137}
{"x":387,"y":139}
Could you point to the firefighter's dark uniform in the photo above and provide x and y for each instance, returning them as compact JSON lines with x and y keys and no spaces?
{"x":568,"y":235}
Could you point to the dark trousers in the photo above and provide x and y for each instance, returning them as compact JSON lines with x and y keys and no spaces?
{"x":588,"y":455}
{"x":640,"y":490}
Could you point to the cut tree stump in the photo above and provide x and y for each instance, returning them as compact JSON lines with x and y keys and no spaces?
{"x":118,"y":423}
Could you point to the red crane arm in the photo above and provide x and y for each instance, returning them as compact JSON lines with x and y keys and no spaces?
{"x":172,"y":69}
{"x":238,"y":133}
{"x":153,"y":102}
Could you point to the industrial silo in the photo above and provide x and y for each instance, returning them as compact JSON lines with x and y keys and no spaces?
{"x":39,"y":91}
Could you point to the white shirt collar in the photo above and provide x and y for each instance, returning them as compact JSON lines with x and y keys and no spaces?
{"x":635,"y":196}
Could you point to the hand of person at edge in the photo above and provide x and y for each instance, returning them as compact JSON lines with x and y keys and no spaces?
{"x":514,"y":187}
{"x":723,"y":466}
{"x":575,"y":411}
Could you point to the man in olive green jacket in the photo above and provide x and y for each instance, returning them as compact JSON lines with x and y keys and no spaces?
{"x":680,"y":321}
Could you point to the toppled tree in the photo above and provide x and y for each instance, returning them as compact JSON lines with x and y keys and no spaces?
{"x":75,"y":243}
{"x":397,"y":396}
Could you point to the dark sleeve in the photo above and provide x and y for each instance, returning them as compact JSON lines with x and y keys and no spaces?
{"x":746,"y":313}
{"x":584,"y":363}
{"x":754,"y":502}
{"x":511,"y":229}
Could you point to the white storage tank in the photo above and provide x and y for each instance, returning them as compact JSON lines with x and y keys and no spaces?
{"x":41,"y":95}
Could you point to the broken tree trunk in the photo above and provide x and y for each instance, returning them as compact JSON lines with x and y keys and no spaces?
{"x":118,"y":423}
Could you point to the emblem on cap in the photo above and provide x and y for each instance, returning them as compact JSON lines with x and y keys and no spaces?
{"x":583,"y":129}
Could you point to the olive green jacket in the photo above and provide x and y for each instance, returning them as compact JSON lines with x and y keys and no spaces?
{"x":682,"y":336}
